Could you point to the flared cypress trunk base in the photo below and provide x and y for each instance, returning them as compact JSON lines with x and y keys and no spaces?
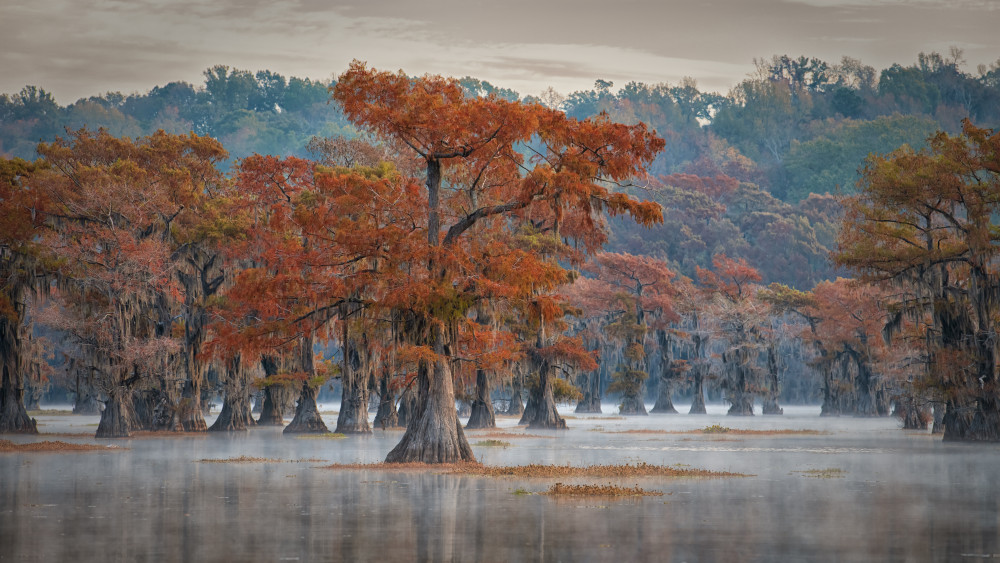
{"x":427,"y":441}
{"x":481,"y":413}
{"x":588,"y":404}
{"x":741,"y":407}
{"x":977,"y":422}
{"x":407,"y":406}
{"x":530,"y":409}
{"x":117,"y":420}
{"x":771,"y":406}
{"x":515,"y":407}
{"x":542,"y":407}
{"x":86,"y":405}
{"x":354,"y":404}
{"x":632,"y":406}
{"x":913,"y":417}
{"x":307,"y":418}
{"x":482,"y":416}
{"x":272,"y":406}
{"x":433,"y":432}
{"x":189,"y":410}
{"x":698,"y":404}
{"x":938,"y":416}
{"x":353,"y":419}
{"x":14,"y":417}
{"x":386,"y":417}
{"x":236,"y":415}
{"x":664,"y":405}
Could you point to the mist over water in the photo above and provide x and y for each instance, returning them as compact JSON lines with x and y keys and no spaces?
{"x":864,"y":491}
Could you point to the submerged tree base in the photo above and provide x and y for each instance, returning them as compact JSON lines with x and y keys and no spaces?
{"x":979,"y":422}
{"x":14,"y":417}
{"x":588,"y":405}
{"x":307,"y":418}
{"x":632,"y":406}
{"x":428,"y":441}
{"x":771,"y":407}
{"x":482,"y":416}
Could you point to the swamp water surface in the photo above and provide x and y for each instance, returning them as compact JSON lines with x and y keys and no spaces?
{"x":863,"y":490}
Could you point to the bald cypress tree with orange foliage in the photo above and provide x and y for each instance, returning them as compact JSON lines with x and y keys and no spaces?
{"x":120,"y":212}
{"x":925,"y":222}
{"x":738,"y":319}
{"x":634,"y":295}
{"x":20,"y":223}
{"x":478,"y":184}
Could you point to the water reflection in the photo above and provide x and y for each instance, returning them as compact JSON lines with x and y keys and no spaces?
{"x":897,"y":497}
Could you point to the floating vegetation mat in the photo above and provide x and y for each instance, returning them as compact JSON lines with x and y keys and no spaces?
{"x":600,"y":491}
{"x":54,"y":446}
{"x":493,"y":444}
{"x":545,"y":471}
{"x":249,"y":459}
{"x":51,"y":412}
{"x":323,"y":436}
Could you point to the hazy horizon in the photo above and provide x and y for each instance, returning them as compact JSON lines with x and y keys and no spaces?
{"x":79,"y":49}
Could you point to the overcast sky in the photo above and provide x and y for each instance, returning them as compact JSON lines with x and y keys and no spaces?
{"x":79,"y":48}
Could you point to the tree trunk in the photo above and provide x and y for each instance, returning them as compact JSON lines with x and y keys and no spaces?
{"x":13,"y":415}
{"x":515,"y":407}
{"x":771,"y":405}
{"x":544,"y":414}
{"x":740,"y":399}
{"x":664,"y":402}
{"x":353,"y":415}
{"x":307,"y":419}
{"x":698,"y":372}
{"x":165,"y":417}
{"x":236,"y":415}
{"x":153,"y":410}
{"x":433,"y":432}
{"x":14,"y":418}
{"x":386,"y":417}
{"x":189,"y":409}
{"x":632,"y":405}
{"x":938,"y":425}
{"x":830,"y":405}
{"x":591,"y":400}
{"x":33,"y":397}
{"x":272,"y":410}
{"x":976,"y":421}
{"x":774,"y":365}
{"x":668,"y":375}
{"x":407,"y":405}
{"x":85,"y":401}
{"x":909,"y":411}
{"x":275,"y":396}
{"x":482,"y":415}
{"x":117,"y":420}
{"x":698,"y":398}
{"x":237,"y":412}
{"x":530,"y":407}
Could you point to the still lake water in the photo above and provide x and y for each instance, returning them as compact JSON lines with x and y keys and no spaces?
{"x":891,"y":496}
